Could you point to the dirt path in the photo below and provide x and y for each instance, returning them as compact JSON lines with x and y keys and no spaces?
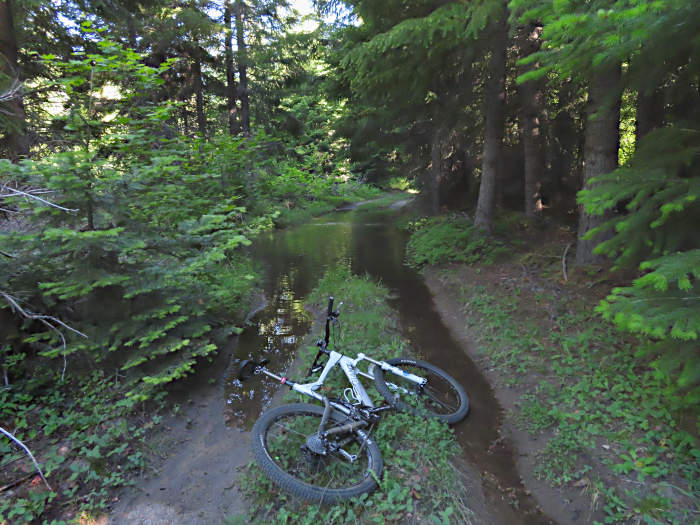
{"x":193,"y":477}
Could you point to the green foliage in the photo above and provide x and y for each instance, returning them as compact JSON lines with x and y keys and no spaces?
{"x":400,"y":183}
{"x":143,"y":255}
{"x":418,"y":478}
{"x":661,"y":186}
{"x":80,"y":434}
{"x":601,"y":407}
{"x":441,"y":240}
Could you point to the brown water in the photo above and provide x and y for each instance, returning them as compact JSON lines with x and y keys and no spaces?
{"x":294,"y":261}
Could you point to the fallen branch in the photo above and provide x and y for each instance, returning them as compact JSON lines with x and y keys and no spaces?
{"x":15,"y":91}
{"x":16,"y":193}
{"x":563,"y":261}
{"x":13,"y":438}
{"x":15,"y":483}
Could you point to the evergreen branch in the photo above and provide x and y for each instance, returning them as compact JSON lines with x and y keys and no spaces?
{"x":13,"y":438}
{"x":665,"y":299}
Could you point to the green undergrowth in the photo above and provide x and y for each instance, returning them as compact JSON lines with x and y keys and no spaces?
{"x":384,"y":201}
{"x":295,"y":193}
{"x":88,"y":438}
{"x":419,"y":484}
{"x":443,"y":240}
{"x":613,"y":425}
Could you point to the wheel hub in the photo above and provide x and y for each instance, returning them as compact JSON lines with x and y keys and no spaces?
{"x":315,"y":444}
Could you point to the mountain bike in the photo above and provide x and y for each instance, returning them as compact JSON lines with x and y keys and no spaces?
{"x":325,"y":453}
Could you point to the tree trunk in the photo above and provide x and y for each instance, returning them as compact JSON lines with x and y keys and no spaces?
{"x":185,"y":122}
{"x":230,"y":73}
{"x":650,"y":113}
{"x":199,"y":94}
{"x":18,"y":143}
{"x":600,"y":153}
{"x":493,"y":129}
{"x":435,"y":175}
{"x":532,"y":114}
{"x":242,"y":68}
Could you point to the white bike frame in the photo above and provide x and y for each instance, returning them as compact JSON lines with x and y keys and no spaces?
{"x":351,"y":370}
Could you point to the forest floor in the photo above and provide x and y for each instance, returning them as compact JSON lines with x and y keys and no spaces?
{"x":192,"y":459}
{"x":566,"y":505}
{"x":596,"y":438}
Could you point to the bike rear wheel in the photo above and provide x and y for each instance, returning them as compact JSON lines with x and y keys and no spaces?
{"x":280,"y":448}
{"x":442,"y":397}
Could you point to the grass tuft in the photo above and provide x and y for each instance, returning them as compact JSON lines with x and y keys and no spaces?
{"x":438,"y":241}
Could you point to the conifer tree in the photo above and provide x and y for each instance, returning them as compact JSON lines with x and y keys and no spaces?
{"x":231,"y":87}
{"x":532,"y":92}
{"x":660,"y":186}
{"x":494,"y":125}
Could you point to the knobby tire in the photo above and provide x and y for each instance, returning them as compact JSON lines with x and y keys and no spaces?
{"x":277,"y":439}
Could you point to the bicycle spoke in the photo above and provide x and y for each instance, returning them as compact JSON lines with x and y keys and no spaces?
{"x":434,"y":397}
{"x":292,"y":430}
{"x":285,"y":442}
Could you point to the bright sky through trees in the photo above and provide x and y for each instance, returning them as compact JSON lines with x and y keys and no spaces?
{"x":305,"y":7}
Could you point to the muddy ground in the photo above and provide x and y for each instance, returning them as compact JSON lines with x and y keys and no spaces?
{"x":194,"y":460}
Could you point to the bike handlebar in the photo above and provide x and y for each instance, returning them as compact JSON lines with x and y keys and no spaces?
{"x":330,"y":306}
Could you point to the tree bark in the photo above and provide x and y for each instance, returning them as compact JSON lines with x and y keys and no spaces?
{"x":650,"y":113}
{"x":18,"y":143}
{"x":493,"y":129}
{"x":199,"y":95}
{"x":600,"y":153}
{"x":242,"y":68}
{"x":435,"y":175}
{"x":185,"y":122}
{"x":532,"y":115}
{"x":230,"y":72}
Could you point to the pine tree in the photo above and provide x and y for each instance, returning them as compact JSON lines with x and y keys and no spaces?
{"x":494,"y":125}
{"x":410,"y":69}
{"x":532,"y":92}
{"x":142,"y":255}
{"x":660,"y":188}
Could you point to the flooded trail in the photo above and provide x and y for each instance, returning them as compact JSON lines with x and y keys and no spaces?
{"x":294,"y":260}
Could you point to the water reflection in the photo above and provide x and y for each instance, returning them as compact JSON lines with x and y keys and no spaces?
{"x":293,"y":261}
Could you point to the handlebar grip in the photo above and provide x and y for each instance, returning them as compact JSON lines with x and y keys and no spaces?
{"x":330,"y":306}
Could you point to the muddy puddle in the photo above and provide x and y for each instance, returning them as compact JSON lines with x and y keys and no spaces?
{"x":294,"y":260}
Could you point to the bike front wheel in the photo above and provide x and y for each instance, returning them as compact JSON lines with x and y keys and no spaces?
{"x":442,"y":397}
{"x":281,"y":448}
